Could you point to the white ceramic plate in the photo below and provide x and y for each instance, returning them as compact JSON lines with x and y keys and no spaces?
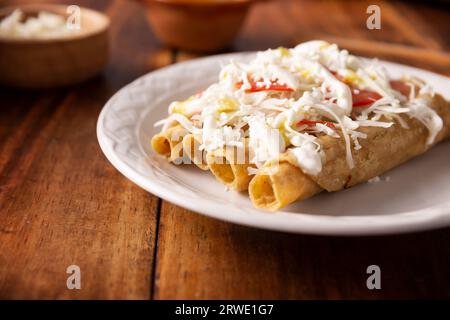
{"x":415,"y":197}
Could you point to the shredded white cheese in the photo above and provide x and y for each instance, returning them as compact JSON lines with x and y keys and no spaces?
{"x":374,"y":179}
{"x":377,"y":179}
{"x":284,"y":98}
{"x":44,"y":25}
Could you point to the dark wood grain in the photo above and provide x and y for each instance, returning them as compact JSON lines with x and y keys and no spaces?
{"x":62,"y":203}
{"x":200,"y":258}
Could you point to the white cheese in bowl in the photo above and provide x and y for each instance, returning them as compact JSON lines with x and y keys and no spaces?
{"x":44,"y":25}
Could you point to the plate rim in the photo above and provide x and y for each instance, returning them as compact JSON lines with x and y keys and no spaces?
{"x":410,"y":221}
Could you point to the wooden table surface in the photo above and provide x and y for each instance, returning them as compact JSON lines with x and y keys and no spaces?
{"x":62,"y":202}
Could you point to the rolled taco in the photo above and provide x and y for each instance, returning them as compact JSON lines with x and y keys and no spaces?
{"x":283,"y":182}
{"x":168,"y":143}
{"x":308,"y":119}
{"x":230,"y":165}
{"x":191,"y":148}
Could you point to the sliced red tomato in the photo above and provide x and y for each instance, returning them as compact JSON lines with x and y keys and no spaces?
{"x":274,"y":86}
{"x":401,"y":87}
{"x":313,"y":122}
{"x":364,"y":98}
{"x":361,"y":98}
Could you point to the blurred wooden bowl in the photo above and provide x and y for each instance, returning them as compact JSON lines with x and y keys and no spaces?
{"x":57,"y":61}
{"x":196,"y":25}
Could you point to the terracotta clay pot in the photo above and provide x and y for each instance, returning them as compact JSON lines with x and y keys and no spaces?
{"x":58,"y":61}
{"x":196,"y":25}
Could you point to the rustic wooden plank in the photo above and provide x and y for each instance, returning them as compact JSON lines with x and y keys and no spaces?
{"x":202,"y":258}
{"x":61,"y":202}
{"x":405,"y":35}
{"x":409,"y":28}
{"x":401,"y":22}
